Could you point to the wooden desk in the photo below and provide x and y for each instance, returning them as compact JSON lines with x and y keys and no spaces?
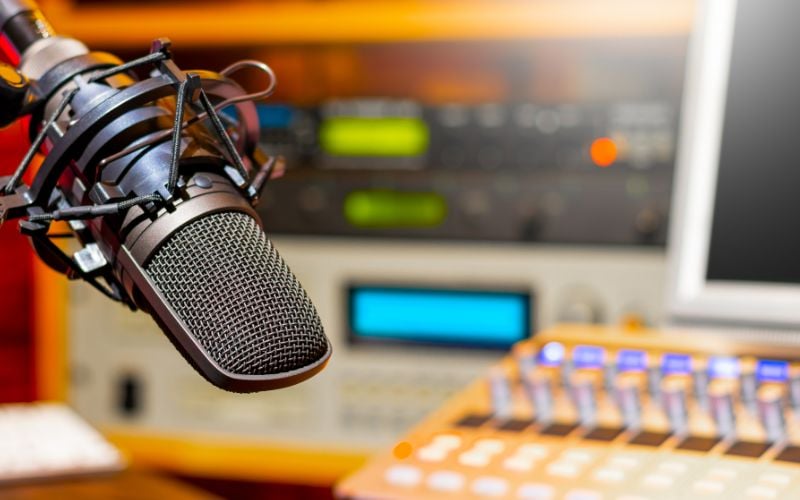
{"x":129,"y":485}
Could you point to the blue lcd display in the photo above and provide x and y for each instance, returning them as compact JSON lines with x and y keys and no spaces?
{"x":466,"y":318}
{"x":770,"y":370}
{"x":629,"y":360}
{"x":588,"y":356}
{"x":676,"y":364}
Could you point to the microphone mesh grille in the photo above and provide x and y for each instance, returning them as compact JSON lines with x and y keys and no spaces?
{"x":237,"y":296}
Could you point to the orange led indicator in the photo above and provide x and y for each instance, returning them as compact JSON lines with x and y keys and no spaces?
{"x":603,"y":152}
{"x":402,"y":450}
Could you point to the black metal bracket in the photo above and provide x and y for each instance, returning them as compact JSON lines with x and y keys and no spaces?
{"x":204,"y":93}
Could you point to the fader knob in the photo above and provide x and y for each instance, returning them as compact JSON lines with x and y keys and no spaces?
{"x":627,"y":394}
{"x":500,"y":393}
{"x":700,"y":382}
{"x":794,"y":388}
{"x":720,"y":400}
{"x":525,"y":355}
{"x":769,"y":399}
{"x":583,"y":387}
{"x":673,"y":397}
{"x":748,"y":384}
{"x":538,"y":384}
{"x":654,"y":380}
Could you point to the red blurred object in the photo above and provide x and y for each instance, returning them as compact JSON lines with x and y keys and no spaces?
{"x":17,"y":374}
{"x":7,"y":51}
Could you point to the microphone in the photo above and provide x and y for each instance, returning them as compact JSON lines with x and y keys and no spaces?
{"x":158,"y":188}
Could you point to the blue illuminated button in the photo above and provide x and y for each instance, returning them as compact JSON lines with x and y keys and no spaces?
{"x":629,"y":360}
{"x":588,"y":356}
{"x":771,"y":370}
{"x":676,"y":364}
{"x":723,"y":367}
{"x":552,"y":354}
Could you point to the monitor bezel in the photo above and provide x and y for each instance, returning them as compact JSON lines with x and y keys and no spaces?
{"x":692,"y":297}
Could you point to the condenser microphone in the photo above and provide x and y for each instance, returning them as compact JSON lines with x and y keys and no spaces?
{"x":158,"y":186}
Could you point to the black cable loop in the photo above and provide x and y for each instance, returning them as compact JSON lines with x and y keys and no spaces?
{"x":83,"y":212}
{"x":262,"y":94}
{"x":254,"y":96}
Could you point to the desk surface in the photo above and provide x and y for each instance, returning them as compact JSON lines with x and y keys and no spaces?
{"x":132,"y":485}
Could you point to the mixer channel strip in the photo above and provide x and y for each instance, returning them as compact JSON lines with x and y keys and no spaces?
{"x":587,"y":413}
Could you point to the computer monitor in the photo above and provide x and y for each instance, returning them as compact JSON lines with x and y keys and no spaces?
{"x":735,"y":234}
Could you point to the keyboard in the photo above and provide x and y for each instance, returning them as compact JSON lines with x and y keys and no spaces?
{"x":48,"y":441}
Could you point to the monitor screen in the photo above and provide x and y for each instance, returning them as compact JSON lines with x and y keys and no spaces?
{"x":734,"y":239}
{"x":755,"y":234}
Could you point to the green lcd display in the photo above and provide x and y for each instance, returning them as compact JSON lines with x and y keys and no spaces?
{"x":394,"y":209}
{"x":353,"y":136}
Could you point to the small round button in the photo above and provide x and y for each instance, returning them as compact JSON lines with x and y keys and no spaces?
{"x":658,"y":481}
{"x":444,"y":480}
{"x":403,"y":475}
{"x":758,"y":491}
{"x":489,"y":445}
{"x":583,"y":495}
{"x":775,"y":479}
{"x":609,"y":475}
{"x":431,"y":454}
{"x":624,"y":462}
{"x":536,"y":491}
{"x":474,"y":458}
{"x":672,"y":467}
{"x":579,"y":456}
{"x":447,"y":441}
{"x":533,"y":450}
{"x":518,"y":463}
{"x":490,"y":486}
{"x":202,"y":181}
{"x":708,"y":487}
{"x":563,"y":469}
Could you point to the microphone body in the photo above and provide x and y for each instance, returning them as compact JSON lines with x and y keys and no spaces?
{"x":159,"y":193}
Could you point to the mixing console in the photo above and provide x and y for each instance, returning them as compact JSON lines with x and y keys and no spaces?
{"x":595,"y":413}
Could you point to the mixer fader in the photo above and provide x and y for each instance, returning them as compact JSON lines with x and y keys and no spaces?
{"x":593,"y":413}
